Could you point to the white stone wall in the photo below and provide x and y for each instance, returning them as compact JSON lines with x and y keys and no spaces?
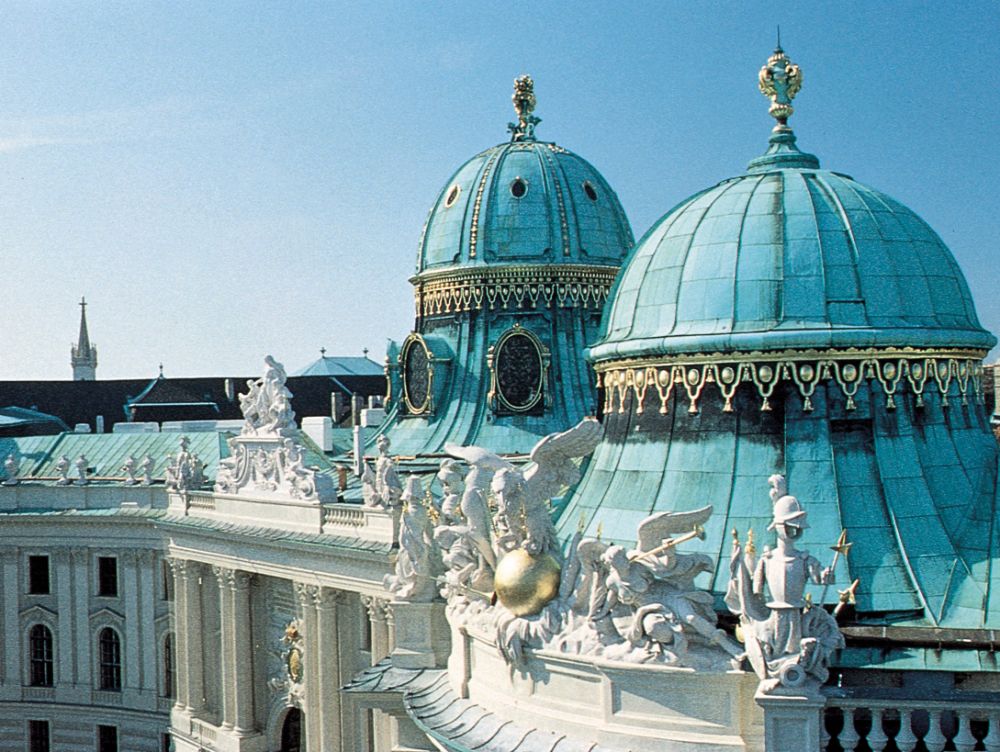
{"x":74,"y":612}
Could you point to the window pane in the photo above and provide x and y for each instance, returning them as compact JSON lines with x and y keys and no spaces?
{"x":107,"y":576}
{"x":40,"y":656}
{"x":38,"y":575}
{"x":38,"y":736}
{"x":111,"y":662}
{"x":107,"y":739}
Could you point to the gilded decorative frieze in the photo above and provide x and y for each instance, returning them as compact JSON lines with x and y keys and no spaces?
{"x":567,"y":285}
{"x":655,"y":380}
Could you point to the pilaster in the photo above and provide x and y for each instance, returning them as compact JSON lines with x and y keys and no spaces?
{"x":148,"y":639}
{"x":193,"y":628}
{"x":80,"y":557}
{"x":792,"y":717}
{"x":224,"y":578}
{"x":306,"y":595}
{"x":129,"y":594}
{"x":379,"y":628}
{"x":328,"y":707}
{"x":179,"y":571}
{"x":65,"y":639}
{"x":242,"y":637}
{"x":11,"y":627}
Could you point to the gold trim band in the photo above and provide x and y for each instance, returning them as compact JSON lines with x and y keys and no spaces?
{"x":891,"y":367}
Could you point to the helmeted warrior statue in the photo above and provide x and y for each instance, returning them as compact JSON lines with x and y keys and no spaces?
{"x":787,"y":639}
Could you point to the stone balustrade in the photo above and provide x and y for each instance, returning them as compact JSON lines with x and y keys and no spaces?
{"x":863,"y":724}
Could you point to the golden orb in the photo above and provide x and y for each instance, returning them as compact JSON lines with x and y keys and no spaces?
{"x":525,"y":583}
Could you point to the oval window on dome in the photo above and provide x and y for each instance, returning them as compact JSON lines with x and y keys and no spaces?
{"x":518,"y":188}
{"x":452,"y":196}
{"x":519,"y":363}
{"x":589,"y":189}
{"x":416,"y":375}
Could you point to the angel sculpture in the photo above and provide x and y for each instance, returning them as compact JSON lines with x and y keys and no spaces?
{"x":668,"y":613}
{"x":469,"y":553}
{"x":413,"y":580}
{"x":523,"y":496}
{"x":787,"y":640}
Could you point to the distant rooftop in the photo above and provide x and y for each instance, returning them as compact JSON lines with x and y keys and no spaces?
{"x":341,"y":365}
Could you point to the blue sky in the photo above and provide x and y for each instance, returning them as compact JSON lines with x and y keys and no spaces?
{"x":226,"y":180}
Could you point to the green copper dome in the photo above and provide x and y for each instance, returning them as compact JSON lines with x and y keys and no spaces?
{"x":792,"y":320}
{"x":524,"y":202}
{"x":789,"y":256}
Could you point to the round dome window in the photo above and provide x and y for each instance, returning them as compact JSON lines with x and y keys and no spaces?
{"x":416,"y":376}
{"x":519,"y":369}
{"x":518,"y":188}
{"x":589,"y":189}
{"x":452,"y":196}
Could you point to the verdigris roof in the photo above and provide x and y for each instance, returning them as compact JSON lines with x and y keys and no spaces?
{"x":342,"y":365}
{"x":567,"y":212}
{"x":789,"y":255}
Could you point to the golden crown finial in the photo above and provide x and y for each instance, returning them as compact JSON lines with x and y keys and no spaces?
{"x":524,"y":105}
{"x":780,"y":80}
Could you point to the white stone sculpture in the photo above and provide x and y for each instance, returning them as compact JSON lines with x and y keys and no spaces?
{"x":12,"y":467}
{"x":185,"y":472}
{"x":414,"y":577}
{"x":668,"y":614}
{"x":369,"y":493}
{"x":128,"y":467}
{"x":788,"y":641}
{"x":81,"y":470}
{"x":62,"y":469}
{"x":267,"y":407}
{"x":267,"y":459}
{"x":387,"y":485}
{"x":147,"y":470}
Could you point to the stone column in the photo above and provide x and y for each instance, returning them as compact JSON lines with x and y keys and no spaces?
{"x":225,"y":579}
{"x":379,"y":630}
{"x":310,"y":670}
{"x":81,"y":597}
{"x":328,"y":670}
{"x":179,"y":570}
{"x":242,"y":639}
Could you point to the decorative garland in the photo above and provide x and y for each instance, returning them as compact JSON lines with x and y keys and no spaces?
{"x":565,"y":285}
{"x":891,"y":367}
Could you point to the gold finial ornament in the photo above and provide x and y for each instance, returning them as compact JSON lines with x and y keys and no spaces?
{"x":780,"y":80}
{"x":751,"y":547}
{"x":524,"y":105}
{"x":525,"y":583}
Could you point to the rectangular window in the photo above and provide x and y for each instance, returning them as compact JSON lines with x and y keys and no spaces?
{"x":164,"y":742}
{"x":107,"y":739}
{"x":107,"y":576}
{"x":38,"y":736}
{"x":38,"y":575}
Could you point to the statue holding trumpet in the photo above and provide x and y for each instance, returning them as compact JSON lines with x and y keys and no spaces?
{"x":649,"y":592}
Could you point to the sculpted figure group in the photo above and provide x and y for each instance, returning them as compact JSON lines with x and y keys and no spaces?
{"x":636,"y":604}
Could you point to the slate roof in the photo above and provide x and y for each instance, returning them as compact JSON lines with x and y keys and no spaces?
{"x":458,"y":724}
{"x":76,"y":402}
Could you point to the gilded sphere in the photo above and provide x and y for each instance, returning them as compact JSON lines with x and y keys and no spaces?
{"x":525,"y":583}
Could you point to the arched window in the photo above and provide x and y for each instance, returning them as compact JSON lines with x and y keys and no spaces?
{"x":40,"y":658}
{"x":169,"y":677}
{"x":110,"y":651}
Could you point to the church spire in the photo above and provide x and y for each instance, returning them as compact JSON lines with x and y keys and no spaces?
{"x":83,"y":355}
